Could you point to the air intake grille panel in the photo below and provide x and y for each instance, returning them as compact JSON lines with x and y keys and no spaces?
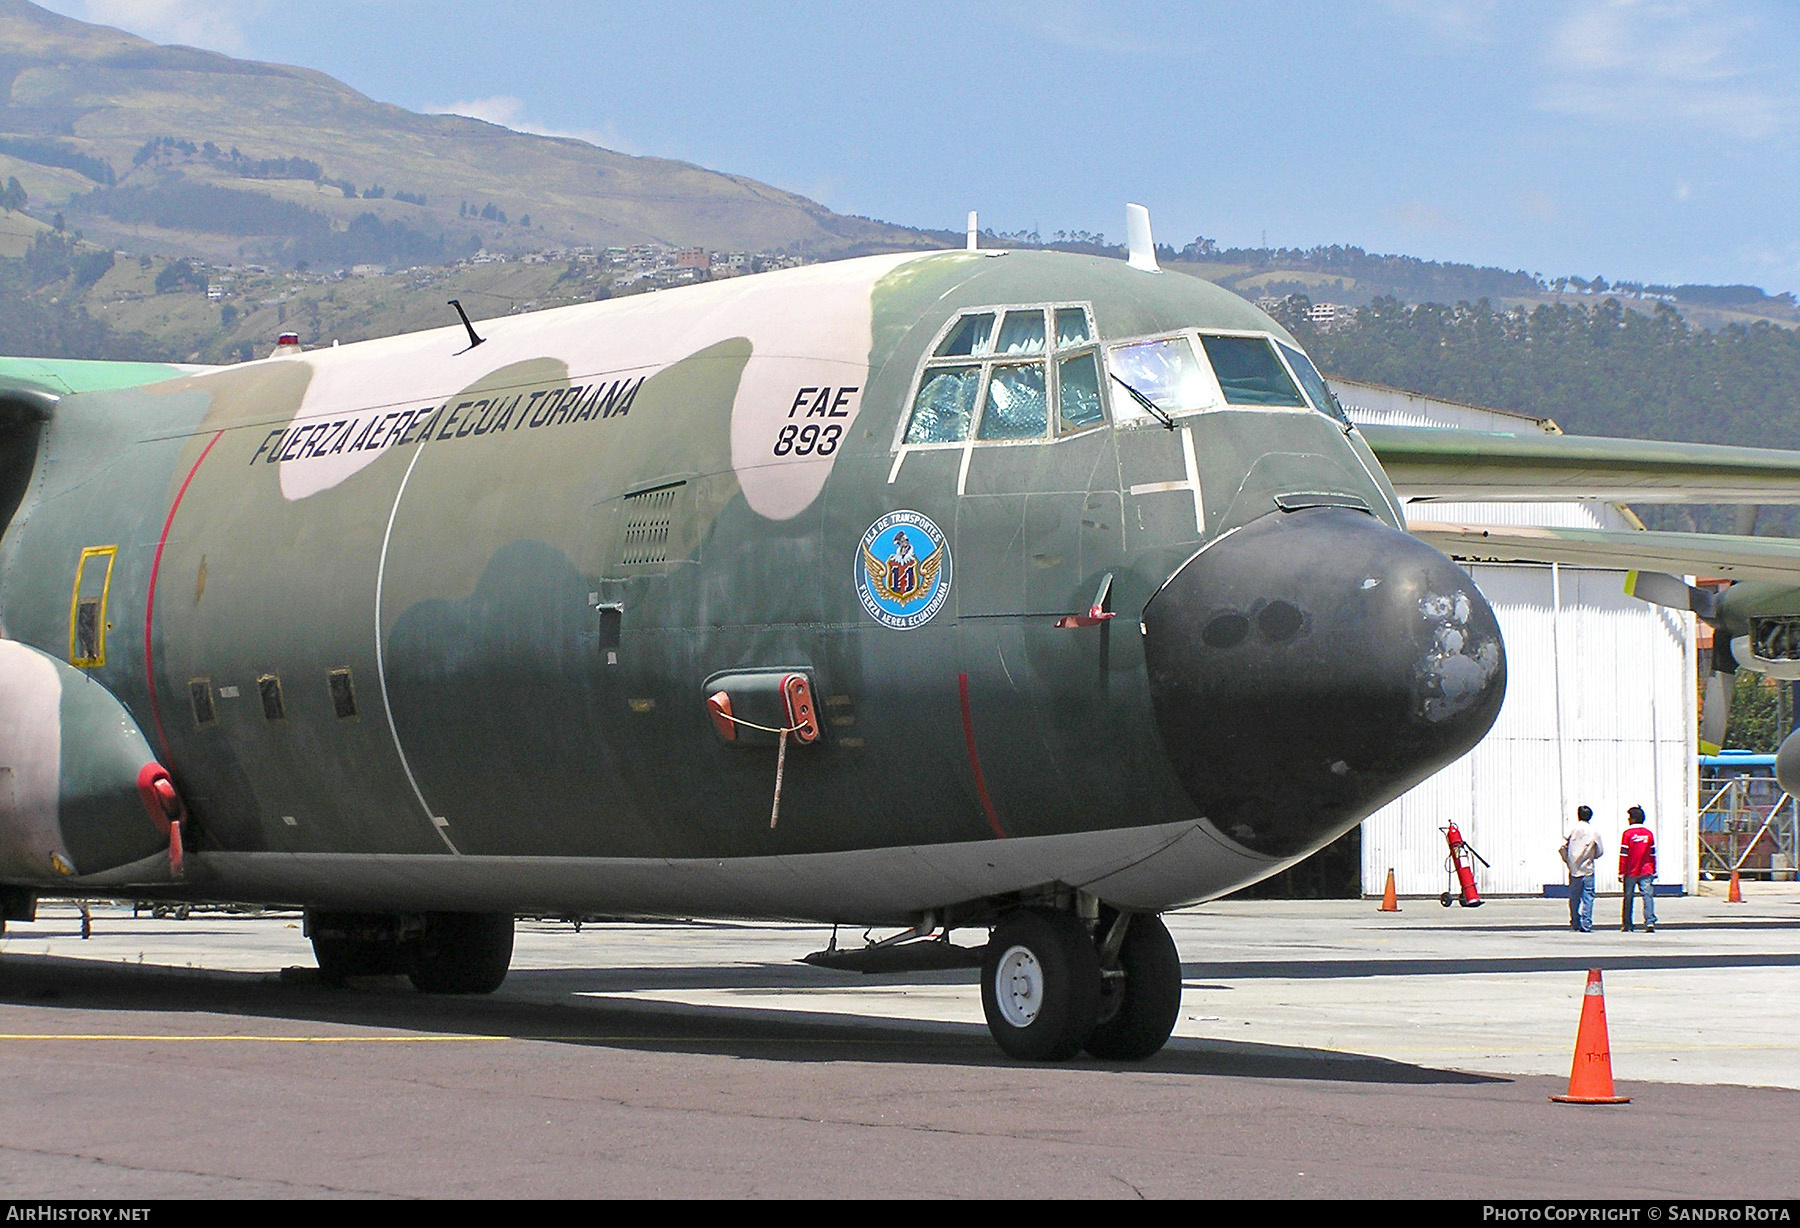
{"x":649,"y":520}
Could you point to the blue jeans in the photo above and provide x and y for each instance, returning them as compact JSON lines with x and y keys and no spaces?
{"x":1644,"y":884}
{"x":1581,"y":903}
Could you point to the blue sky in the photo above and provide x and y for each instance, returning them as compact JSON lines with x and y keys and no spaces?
{"x":1651,"y":140}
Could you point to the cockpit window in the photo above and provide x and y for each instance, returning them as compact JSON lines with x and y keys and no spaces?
{"x":975,"y":382}
{"x":1317,"y":390}
{"x":1078,"y":380}
{"x":1165,"y":373}
{"x":970,"y":337}
{"x":1022,"y":333}
{"x":1018,"y":402}
{"x":945,"y":405}
{"x":1249,"y":373}
{"x":1071,"y":327}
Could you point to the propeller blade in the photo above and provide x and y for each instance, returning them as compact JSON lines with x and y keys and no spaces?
{"x":1716,"y":712}
{"x":1676,"y":594}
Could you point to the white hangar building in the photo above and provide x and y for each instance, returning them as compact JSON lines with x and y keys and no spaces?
{"x":1600,"y":704}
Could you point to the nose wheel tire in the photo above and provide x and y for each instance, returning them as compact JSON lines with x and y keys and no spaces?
{"x":1148,"y":1000}
{"x":1040,"y":985}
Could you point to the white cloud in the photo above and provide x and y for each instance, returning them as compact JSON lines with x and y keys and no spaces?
{"x":1418,"y":215}
{"x":1103,"y":29}
{"x":1539,"y":206}
{"x":1781,"y":260}
{"x":217,"y":25}
{"x":1456,"y":24}
{"x":509,"y":111}
{"x":1693,"y":65}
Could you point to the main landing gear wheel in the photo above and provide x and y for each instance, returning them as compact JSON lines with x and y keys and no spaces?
{"x":1139,"y":1009}
{"x":461,"y":952}
{"x":1040,"y":985}
{"x":348,"y":944}
{"x":440,"y":952}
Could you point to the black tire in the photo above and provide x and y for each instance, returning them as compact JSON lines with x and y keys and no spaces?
{"x":1149,"y":1000}
{"x":344,"y":946}
{"x":1040,"y":985}
{"x":461,"y":952}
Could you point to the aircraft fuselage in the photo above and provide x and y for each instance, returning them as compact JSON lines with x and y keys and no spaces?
{"x":414,"y":624}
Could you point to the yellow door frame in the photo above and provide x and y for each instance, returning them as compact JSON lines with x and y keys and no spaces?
{"x":111,"y":554}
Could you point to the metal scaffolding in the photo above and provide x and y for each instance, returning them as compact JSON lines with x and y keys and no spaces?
{"x":1747,"y":824}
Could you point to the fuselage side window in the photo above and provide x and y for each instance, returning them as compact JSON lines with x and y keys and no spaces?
{"x":1317,"y":390}
{"x":1249,"y":373}
{"x":1165,"y":373}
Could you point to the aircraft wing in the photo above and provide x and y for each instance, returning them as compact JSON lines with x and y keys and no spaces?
{"x":1492,"y":467}
{"x":62,"y":376}
{"x":1700,"y":554}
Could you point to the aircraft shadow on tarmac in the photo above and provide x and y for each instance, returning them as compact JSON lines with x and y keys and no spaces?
{"x":1310,"y":970}
{"x":529,"y":1007}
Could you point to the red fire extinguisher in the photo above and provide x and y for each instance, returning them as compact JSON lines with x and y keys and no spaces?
{"x":1460,"y":866}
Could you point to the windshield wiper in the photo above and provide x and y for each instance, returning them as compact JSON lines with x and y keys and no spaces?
{"x":1146,"y":402}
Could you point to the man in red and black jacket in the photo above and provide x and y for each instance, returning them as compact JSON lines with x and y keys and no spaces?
{"x":1637,"y":868}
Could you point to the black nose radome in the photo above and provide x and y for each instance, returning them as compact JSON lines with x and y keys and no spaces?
{"x":1313,"y":665}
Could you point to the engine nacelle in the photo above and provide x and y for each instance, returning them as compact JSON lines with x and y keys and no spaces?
{"x":76,"y":784}
{"x":1787,"y":763}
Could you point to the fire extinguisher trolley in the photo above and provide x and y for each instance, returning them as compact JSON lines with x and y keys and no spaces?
{"x":1459,"y":869}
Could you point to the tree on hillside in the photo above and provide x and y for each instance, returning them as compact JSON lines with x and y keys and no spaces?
{"x":177,"y":274}
{"x":1597,"y":370}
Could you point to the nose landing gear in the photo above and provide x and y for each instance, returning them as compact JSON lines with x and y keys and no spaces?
{"x":1142,"y":996}
{"x":1051,"y":988}
{"x":1040,"y":985}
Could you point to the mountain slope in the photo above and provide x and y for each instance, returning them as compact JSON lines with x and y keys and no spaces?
{"x":82,"y":103}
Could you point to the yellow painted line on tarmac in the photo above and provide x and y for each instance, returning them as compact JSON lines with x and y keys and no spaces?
{"x":274,"y":1040}
{"x":341,"y":1040}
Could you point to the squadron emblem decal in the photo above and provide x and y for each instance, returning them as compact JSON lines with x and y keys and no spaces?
{"x":903,"y":570}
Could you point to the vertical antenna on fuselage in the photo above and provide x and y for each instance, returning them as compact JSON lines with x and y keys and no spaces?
{"x":475,"y":338}
{"x":972,"y":244}
{"x":1139,"y":245}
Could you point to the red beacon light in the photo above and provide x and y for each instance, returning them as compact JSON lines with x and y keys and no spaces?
{"x":287,"y":343}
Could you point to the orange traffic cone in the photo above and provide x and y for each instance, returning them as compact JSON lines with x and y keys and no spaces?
{"x":1736,"y":894}
{"x":1389,"y":902}
{"x":1590,"y":1078}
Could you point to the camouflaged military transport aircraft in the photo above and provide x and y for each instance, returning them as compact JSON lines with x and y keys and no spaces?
{"x":1015,"y":591}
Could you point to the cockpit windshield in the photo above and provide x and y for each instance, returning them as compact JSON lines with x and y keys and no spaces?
{"x":1014,"y":373}
{"x":1249,"y":373}
{"x":1317,"y":390}
{"x":1165,"y":373}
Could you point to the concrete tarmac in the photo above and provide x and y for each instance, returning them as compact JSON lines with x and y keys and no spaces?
{"x":1324,"y":1050}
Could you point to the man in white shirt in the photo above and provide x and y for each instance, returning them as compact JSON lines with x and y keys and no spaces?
{"x":1579,"y":850}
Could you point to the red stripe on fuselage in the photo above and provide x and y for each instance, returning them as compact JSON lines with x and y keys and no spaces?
{"x":987,"y":804}
{"x":150,"y":598}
